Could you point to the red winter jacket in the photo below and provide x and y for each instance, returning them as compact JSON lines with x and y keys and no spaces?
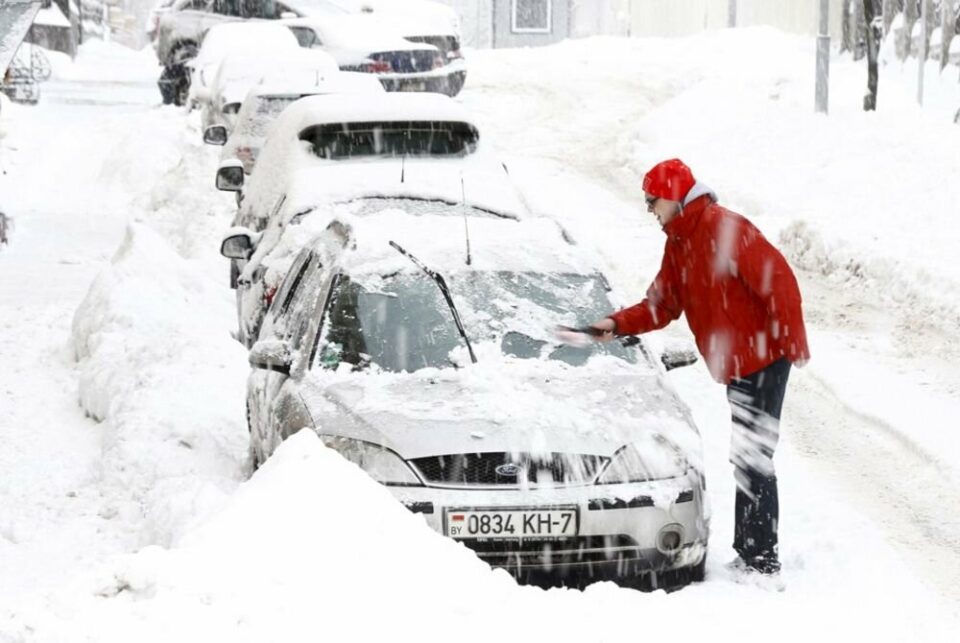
{"x":740,"y":297}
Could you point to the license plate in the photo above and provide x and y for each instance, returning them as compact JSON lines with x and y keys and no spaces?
{"x":516,"y":523}
{"x":414,"y":86}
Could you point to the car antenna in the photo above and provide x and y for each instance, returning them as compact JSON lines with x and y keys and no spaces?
{"x":445,"y":291}
{"x":466,"y":226}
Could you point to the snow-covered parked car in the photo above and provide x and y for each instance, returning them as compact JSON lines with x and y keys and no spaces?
{"x":337,"y":148}
{"x":345,"y":145}
{"x":239,"y":71}
{"x":439,"y":376}
{"x":180,"y":28}
{"x":264,"y":103}
{"x":260,"y":260}
{"x":248,"y":41}
{"x":366,"y":43}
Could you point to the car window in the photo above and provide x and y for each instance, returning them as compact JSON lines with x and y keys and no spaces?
{"x":339,"y":141}
{"x":227,"y":7}
{"x":259,"y":9}
{"x":275,"y":322}
{"x":306,"y":36}
{"x":402,"y":323}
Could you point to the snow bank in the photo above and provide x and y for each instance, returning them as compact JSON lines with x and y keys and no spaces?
{"x":158,"y":367}
{"x":311,"y":548}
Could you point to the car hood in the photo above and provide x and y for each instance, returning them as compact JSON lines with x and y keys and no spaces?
{"x":536,"y":408}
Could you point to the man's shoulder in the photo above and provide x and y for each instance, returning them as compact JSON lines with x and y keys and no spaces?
{"x":720,"y":219}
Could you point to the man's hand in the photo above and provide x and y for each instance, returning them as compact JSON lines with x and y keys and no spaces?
{"x":604,"y":328}
{"x":600,"y":331}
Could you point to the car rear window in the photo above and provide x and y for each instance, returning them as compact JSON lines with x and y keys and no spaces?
{"x":404,"y":138}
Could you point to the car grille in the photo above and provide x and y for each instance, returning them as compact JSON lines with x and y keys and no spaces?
{"x":581,"y":551}
{"x":408,"y":62}
{"x":481,"y":469}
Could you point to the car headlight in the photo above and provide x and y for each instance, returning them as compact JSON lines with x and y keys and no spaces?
{"x":654,"y":458}
{"x":380,"y":463}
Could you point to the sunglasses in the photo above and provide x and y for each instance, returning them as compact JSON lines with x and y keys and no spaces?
{"x":651,"y":201}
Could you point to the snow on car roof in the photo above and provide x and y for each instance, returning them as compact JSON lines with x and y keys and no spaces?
{"x":283,"y":153}
{"x":478,"y":182}
{"x":394,"y":106}
{"x":239,"y":70}
{"x":345,"y":82}
{"x":250,"y":37}
{"x":358,"y":31}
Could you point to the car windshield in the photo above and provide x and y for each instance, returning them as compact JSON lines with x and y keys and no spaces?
{"x":392,"y":138}
{"x":401,"y":322}
{"x":422,"y":206}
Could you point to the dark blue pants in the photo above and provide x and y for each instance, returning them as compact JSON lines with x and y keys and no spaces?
{"x":756,"y":402}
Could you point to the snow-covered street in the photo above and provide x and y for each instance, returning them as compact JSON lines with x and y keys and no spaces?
{"x":127,"y":512}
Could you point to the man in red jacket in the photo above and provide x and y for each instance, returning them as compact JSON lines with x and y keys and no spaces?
{"x":742,"y":303}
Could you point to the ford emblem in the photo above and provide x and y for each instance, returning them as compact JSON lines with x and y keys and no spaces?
{"x":509,"y":470}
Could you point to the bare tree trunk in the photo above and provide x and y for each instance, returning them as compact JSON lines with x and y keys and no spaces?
{"x":931,"y":20}
{"x":889,"y":11}
{"x":947,"y":18}
{"x":846,"y":38}
{"x":873,"y":46}
{"x":905,"y":38}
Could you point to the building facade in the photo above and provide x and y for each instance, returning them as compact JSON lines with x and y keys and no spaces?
{"x":523,"y":23}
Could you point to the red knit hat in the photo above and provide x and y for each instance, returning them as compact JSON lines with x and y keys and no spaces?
{"x":669,"y":180}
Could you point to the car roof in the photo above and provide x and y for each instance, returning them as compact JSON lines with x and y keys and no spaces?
{"x":393,"y":106}
{"x":358,"y":31}
{"x":346,"y":82}
{"x":478,"y":182}
{"x":249,"y":37}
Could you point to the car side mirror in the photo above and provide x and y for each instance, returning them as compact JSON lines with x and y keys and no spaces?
{"x":272,"y":355}
{"x":678,"y":357}
{"x":239,"y":243}
{"x":230,"y":176}
{"x":215,"y":135}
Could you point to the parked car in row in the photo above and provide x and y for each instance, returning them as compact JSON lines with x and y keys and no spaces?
{"x":181,"y":28}
{"x":238,"y":72}
{"x":438,"y":375}
{"x":260,"y":260}
{"x":341,"y":145}
{"x":363,"y":43}
{"x":264,"y":103}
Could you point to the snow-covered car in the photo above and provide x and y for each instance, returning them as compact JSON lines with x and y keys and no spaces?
{"x":440,"y":377}
{"x":260,"y":260}
{"x":248,"y":42}
{"x":367,"y":43}
{"x":337,"y":148}
{"x":239,"y":71}
{"x":181,"y":27}
{"x":264,"y":103}
{"x":347,"y":145}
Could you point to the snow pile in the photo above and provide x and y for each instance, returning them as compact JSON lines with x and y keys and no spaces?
{"x":294,"y":557}
{"x":159,"y":368}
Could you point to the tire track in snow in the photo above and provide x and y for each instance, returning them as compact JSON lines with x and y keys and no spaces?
{"x":907,"y":493}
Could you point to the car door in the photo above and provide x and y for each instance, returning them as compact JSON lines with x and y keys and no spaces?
{"x":291,"y":320}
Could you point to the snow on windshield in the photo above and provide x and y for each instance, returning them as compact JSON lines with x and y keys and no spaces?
{"x":403,"y":323}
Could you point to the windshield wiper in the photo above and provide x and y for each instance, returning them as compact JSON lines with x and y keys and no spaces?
{"x":442,"y":285}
